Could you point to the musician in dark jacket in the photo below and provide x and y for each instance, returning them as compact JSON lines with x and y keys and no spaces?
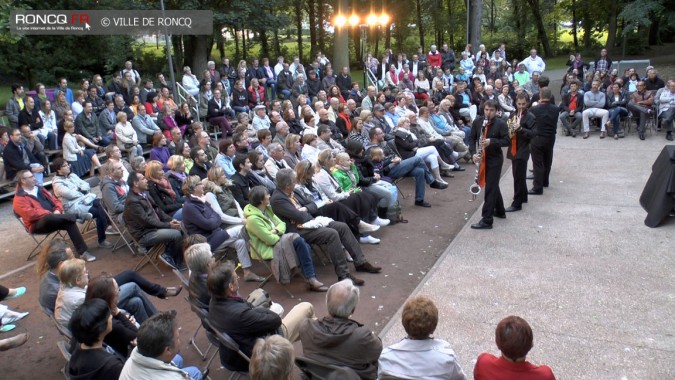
{"x":149,"y":225}
{"x":519,"y":150}
{"x":495,"y":136}
{"x":542,"y":146}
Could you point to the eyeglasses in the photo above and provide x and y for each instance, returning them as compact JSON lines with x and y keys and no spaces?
{"x":65,"y":165}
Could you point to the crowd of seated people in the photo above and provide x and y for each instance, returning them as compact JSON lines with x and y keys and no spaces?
{"x":303,"y":157}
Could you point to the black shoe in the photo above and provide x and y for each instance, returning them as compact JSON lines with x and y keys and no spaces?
{"x":355,"y":281}
{"x":458,"y":169}
{"x":500,"y":216}
{"x":422,"y":204}
{"x":669,"y":136}
{"x":535,"y":192}
{"x":530,"y":177}
{"x":642,"y":136}
{"x":438,"y":185}
{"x":447,"y":173}
{"x":368,"y":268}
{"x":481,"y":226}
{"x":514,"y":209}
{"x":168,"y":260}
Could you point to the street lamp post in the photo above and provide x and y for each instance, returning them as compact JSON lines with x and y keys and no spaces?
{"x":341,"y":46}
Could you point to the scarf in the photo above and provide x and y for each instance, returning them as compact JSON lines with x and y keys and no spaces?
{"x":180,"y":175}
{"x":348,"y":122}
{"x":412,"y":135}
{"x":164,"y":185}
{"x":348,"y":172}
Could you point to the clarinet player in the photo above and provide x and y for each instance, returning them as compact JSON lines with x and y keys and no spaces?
{"x":494,"y":135}
{"x":521,"y":130}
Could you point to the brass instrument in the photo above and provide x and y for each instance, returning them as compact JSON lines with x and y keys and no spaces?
{"x":475,"y":188}
{"x":514,"y":124}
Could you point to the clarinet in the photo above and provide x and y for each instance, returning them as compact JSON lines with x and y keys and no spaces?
{"x":475,"y":188}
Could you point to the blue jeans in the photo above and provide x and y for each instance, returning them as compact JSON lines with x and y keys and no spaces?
{"x":194,"y":372}
{"x":615,"y":114}
{"x":134,"y":300}
{"x":467,"y":132}
{"x":172,"y":238}
{"x":105,"y":140}
{"x":285,"y":92}
{"x":101,"y":220}
{"x":271,"y":83}
{"x":241,"y":109}
{"x":304,"y":253}
{"x":413,"y":167}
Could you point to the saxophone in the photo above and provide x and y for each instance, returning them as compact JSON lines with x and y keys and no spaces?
{"x":475,"y":188}
{"x":514,"y":124}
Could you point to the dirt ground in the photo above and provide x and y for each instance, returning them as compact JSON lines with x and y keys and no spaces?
{"x":406,"y":253}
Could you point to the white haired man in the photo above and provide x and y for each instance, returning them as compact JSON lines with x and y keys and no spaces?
{"x":355,"y":346}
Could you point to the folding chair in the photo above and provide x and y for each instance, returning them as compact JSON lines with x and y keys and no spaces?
{"x":256,"y":256}
{"x":151,"y":256}
{"x":229,"y":343}
{"x":38,"y":243}
{"x":62,"y":345}
{"x":395,"y":183}
{"x":317,"y":370}
{"x":194,"y":308}
{"x":121,"y":230}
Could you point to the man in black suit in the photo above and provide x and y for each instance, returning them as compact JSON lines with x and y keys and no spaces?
{"x":201,"y":166}
{"x":242,"y":184}
{"x":17,"y":157}
{"x":344,"y":82}
{"x":285,"y":81}
{"x":332,"y":237}
{"x":218,"y":112}
{"x":149,"y":225}
{"x":542,"y":145}
{"x":519,"y":151}
{"x":495,"y":135}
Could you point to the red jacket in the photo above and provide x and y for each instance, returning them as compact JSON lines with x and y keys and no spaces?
{"x":30,"y":209}
{"x":252,"y":98}
{"x":435,"y":60}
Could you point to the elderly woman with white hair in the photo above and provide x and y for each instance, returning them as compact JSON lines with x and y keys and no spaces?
{"x":199,"y":258}
{"x":409,"y":145}
{"x":190,"y":81}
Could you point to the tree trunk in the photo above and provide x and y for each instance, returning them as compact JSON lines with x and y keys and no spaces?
{"x":311,"y":12}
{"x":611,"y":28}
{"x":492,"y":16}
{"x":420,"y":27}
{"x":320,"y":21}
{"x":587,"y":25}
{"x":541,"y":29}
{"x":575,"y":22}
{"x":200,"y":53}
{"x":220,"y":44}
{"x":298,"y":25}
{"x":277,"y":45}
{"x":236,"y":47}
{"x":475,"y":17}
{"x":452,"y":34}
{"x":654,"y":38}
{"x":244,"y":49}
{"x":264,"y":44}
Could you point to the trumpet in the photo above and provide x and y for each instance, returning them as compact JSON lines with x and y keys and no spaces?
{"x":475,"y":188}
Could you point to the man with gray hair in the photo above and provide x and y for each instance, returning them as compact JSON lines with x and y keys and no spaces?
{"x":338,"y":340}
{"x":276,"y":160}
{"x":273,"y":358}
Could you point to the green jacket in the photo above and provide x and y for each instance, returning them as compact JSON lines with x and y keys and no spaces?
{"x":259,"y":226}
{"x":343,"y":178}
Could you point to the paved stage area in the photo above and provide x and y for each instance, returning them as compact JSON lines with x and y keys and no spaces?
{"x":596,"y":285}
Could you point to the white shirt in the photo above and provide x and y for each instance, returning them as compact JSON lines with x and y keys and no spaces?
{"x":534,"y":64}
{"x":428,"y":359}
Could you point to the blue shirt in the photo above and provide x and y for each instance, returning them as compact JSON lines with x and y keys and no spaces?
{"x":225,"y":162}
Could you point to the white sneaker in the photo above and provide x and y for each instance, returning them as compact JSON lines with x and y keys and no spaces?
{"x":111,"y":231}
{"x":369,"y":240}
{"x":366,"y":227}
{"x":381,"y":222}
{"x":88,"y":257}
